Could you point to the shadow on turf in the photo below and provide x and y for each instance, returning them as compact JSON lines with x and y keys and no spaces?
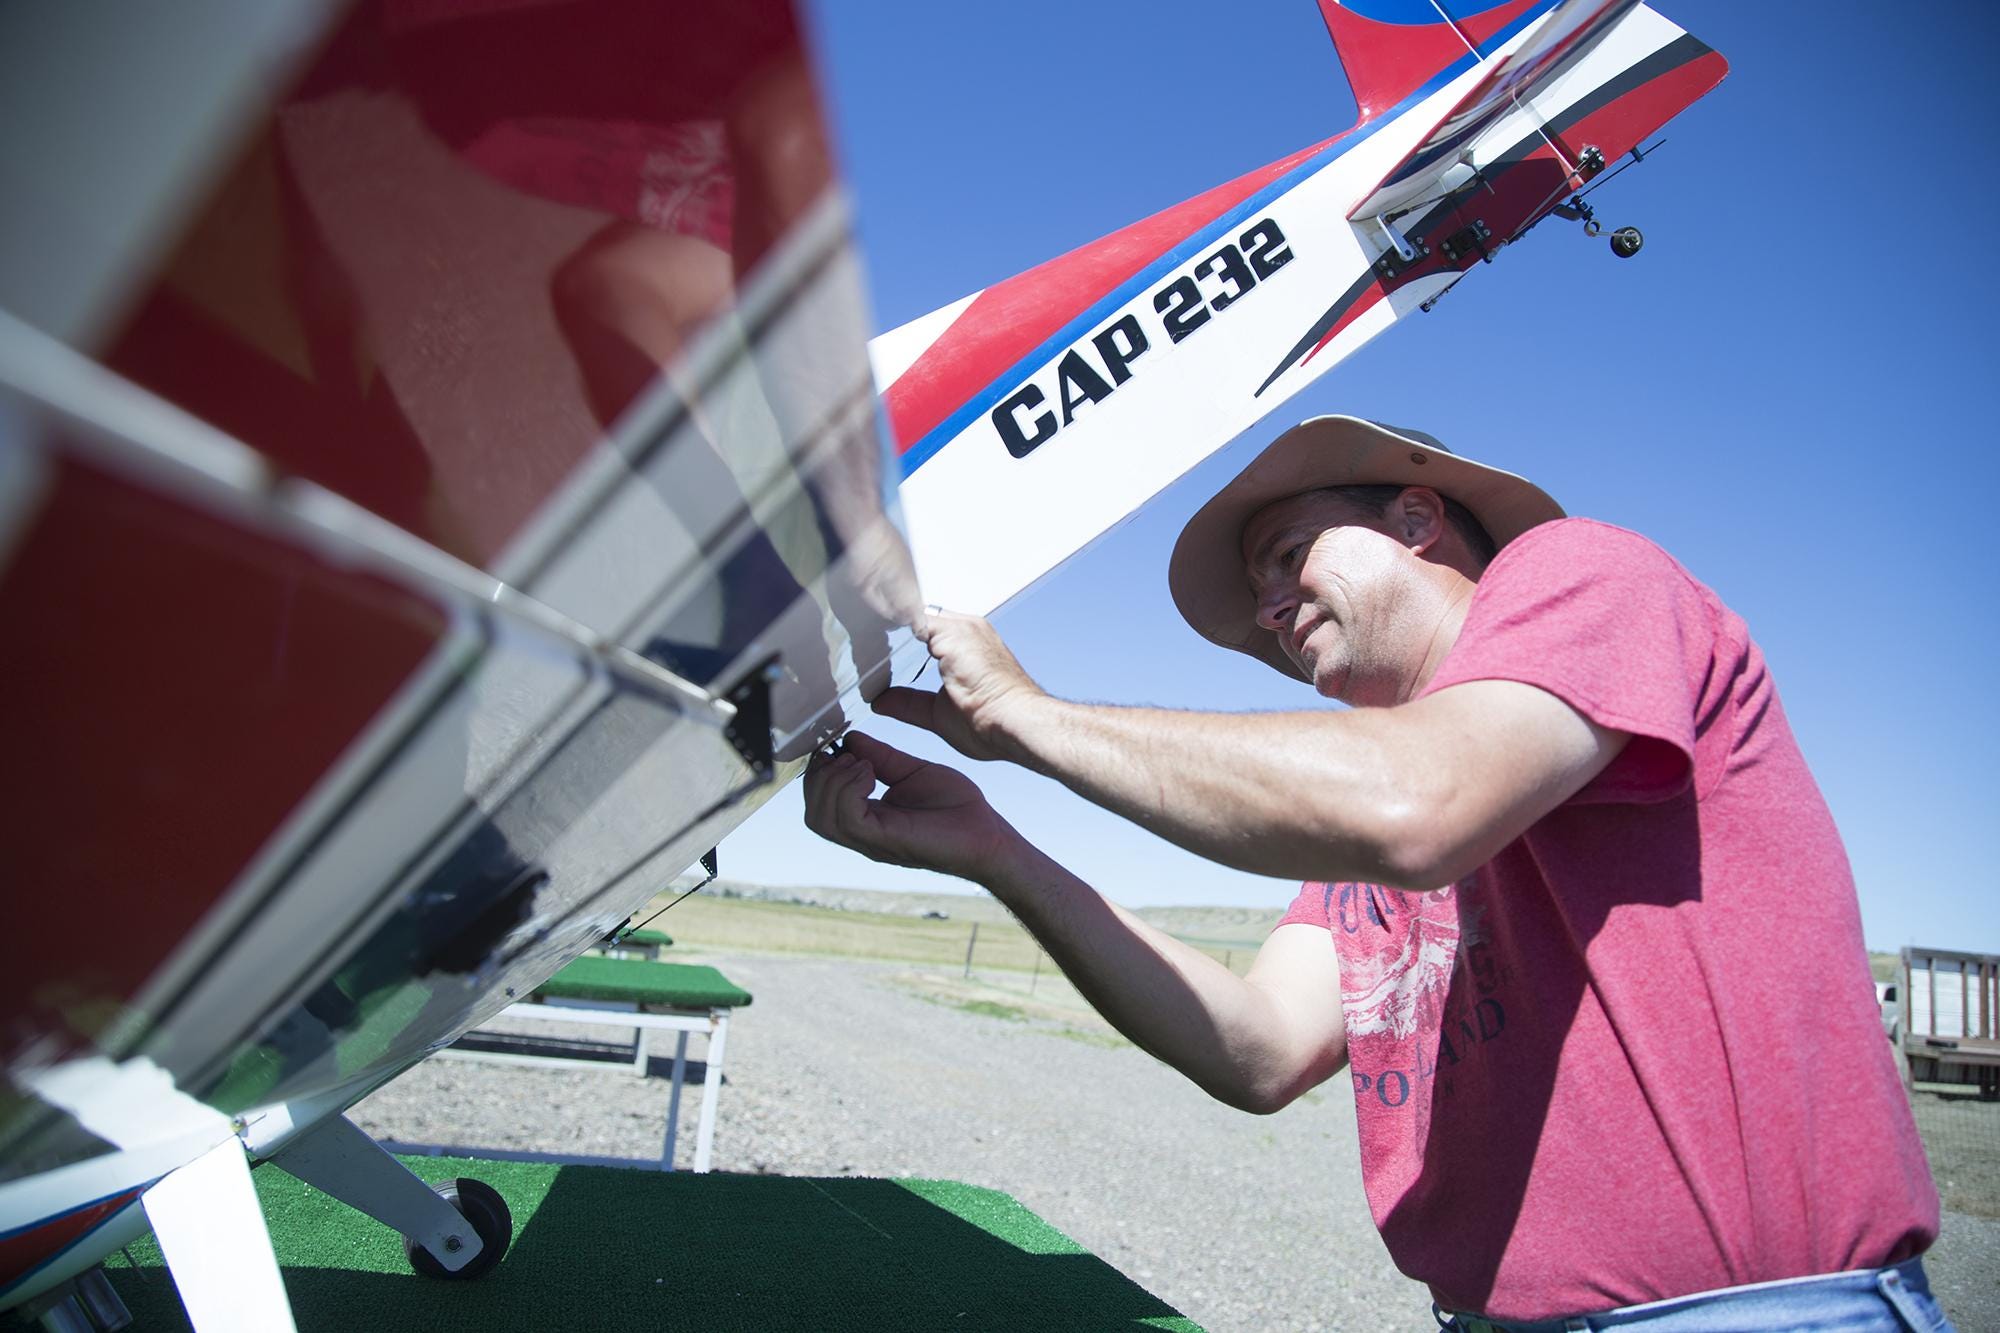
{"x":609,"y":1250}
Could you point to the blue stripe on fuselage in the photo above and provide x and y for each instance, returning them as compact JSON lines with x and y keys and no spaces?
{"x":984,"y":401}
{"x":22,"y":1277}
{"x":1404,"y":13}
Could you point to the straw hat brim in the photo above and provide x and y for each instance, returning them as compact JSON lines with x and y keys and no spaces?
{"x":1207,"y":575}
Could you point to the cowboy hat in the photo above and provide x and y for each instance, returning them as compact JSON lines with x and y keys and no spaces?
{"x":1207,"y":575}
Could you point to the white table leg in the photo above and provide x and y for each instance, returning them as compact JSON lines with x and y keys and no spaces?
{"x":674,"y":1099}
{"x":711,"y":1084}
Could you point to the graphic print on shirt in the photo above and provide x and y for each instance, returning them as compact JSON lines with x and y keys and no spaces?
{"x":1408,"y":973}
{"x":1406,"y":1023}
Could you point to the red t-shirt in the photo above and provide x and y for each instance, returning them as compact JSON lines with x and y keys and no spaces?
{"x":1637,"y":1054}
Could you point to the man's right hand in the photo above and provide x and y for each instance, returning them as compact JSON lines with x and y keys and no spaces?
{"x":982,"y":691}
{"x":930,"y":817}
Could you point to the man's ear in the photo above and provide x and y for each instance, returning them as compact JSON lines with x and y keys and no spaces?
{"x":1418,"y":518}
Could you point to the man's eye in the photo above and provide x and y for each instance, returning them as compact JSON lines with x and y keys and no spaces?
{"x":1290,"y":555}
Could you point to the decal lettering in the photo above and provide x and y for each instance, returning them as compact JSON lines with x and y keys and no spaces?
{"x":1181,"y":306}
{"x":1089,"y":372}
{"x":1117,"y":359}
{"x":1226,"y":264}
{"x":1007,"y":420}
{"x":1079,"y":384}
{"x":1266,"y":248}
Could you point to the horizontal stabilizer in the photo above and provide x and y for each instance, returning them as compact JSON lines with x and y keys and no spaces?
{"x":1442,"y":159}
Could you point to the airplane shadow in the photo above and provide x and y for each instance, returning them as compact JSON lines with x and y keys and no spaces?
{"x":608,"y":1250}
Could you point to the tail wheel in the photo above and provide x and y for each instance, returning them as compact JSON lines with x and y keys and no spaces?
{"x":487,"y":1212}
{"x":1625,"y":242}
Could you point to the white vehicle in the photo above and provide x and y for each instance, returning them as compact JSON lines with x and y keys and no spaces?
{"x":1886,"y":993}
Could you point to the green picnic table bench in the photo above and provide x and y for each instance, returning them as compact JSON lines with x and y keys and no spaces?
{"x":636,"y":993}
{"x":635,"y":981}
{"x":636,"y":944}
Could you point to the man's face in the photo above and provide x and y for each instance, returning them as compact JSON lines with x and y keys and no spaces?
{"x":1325,"y":574}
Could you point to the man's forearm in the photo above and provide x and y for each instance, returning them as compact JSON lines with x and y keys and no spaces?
{"x":1169,"y":998}
{"x":1295,"y":795}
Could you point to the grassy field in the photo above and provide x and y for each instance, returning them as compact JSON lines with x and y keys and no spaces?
{"x":849,"y":925}
{"x":977,"y":958}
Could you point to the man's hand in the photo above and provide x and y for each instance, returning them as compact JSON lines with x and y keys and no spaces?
{"x":931,"y":817}
{"x":983,"y":693}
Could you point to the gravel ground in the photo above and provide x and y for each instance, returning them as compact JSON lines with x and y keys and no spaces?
{"x":1243,"y":1222}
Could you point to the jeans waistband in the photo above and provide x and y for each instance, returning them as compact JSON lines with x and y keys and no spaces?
{"x":1876,"y":1290}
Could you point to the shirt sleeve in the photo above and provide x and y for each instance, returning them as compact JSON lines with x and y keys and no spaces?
{"x":1313,"y":906}
{"x":1610,"y":624}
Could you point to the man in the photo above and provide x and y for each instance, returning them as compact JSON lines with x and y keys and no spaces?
{"x":1623,"y":1055}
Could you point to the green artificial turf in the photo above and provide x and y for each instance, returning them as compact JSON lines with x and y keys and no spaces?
{"x":605,"y":1249}
{"x":637,"y":981}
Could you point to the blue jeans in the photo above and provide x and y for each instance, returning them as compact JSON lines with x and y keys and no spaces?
{"x":1875,"y":1300}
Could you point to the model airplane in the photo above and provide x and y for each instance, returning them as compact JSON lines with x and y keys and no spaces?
{"x":442,"y":494}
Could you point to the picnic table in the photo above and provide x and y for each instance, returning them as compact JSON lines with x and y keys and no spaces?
{"x":642,"y":995}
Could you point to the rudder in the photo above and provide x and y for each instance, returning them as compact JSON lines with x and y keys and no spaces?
{"x":1391,"y":48}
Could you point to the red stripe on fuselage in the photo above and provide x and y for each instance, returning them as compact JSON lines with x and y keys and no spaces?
{"x":25,"y":1251}
{"x":1010,"y":319}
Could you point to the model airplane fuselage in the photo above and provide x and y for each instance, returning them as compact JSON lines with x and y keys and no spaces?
{"x":441,"y":495}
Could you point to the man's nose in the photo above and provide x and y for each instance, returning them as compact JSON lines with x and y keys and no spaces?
{"x":1276,"y":608}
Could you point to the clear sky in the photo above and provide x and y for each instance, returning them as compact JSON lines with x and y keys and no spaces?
{"x":1792,"y":388}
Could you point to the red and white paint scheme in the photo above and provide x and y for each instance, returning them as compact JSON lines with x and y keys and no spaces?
{"x":441,"y":495}
{"x":1077,"y":390}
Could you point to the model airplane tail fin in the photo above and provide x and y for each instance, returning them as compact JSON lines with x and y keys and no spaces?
{"x":1391,"y":48}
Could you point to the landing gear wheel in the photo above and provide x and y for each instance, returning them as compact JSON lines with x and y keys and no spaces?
{"x":1625,"y":242}
{"x":487,"y":1212}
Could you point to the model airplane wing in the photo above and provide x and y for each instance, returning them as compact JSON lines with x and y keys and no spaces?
{"x":401,"y":584}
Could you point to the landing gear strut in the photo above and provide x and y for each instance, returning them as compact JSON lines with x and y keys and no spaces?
{"x":460,"y":1230}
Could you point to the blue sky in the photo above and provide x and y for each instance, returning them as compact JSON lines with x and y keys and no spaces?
{"x":1790,"y":389}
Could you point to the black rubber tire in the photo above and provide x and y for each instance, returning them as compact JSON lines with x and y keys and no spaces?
{"x":1626,"y":241}
{"x":487,"y":1211}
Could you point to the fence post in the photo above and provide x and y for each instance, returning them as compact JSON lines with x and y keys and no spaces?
{"x":1229,"y":959}
{"x":968,"y":948}
{"x":1038,"y":972}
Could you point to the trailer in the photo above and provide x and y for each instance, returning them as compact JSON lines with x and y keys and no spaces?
{"x":1950,"y":1018}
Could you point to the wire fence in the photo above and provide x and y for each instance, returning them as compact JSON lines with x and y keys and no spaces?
{"x":1960,"y":1126}
{"x":1010,"y":958}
